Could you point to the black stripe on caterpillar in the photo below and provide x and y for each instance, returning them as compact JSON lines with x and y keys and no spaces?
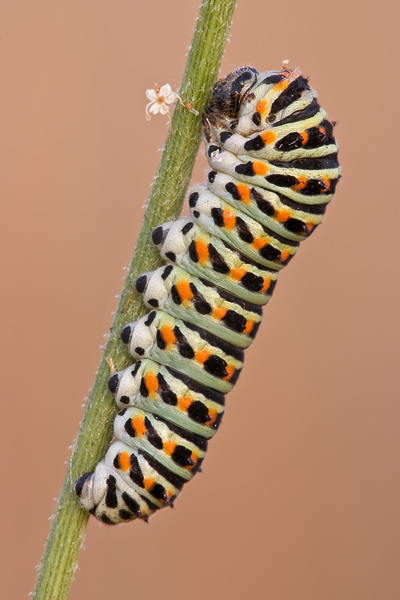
{"x":274,"y":169}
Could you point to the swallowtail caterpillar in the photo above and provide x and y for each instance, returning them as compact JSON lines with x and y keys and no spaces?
{"x":273,"y":171}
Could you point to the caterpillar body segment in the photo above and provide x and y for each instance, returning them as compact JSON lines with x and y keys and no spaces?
{"x":187,"y":348}
{"x":287,"y":142}
{"x":135,"y":470}
{"x":170,"y":395}
{"x":109,"y":497}
{"x":190,"y":298}
{"x":170,"y":446}
{"x":305,"y":182}
{"x":273,"y":171}
{"x":273,"y":211}
{"x":222,"y":220}
{"x":199,"y":253}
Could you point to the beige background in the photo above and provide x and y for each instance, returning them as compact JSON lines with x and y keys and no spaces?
{"x":300,"y":491}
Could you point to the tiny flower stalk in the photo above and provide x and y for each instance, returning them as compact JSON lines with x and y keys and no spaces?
{"x":59,"y":561}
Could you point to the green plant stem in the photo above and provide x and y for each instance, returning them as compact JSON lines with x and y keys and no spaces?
{"x":69,"y":521}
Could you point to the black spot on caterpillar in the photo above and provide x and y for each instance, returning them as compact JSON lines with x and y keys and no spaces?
{"x":274,"y":168}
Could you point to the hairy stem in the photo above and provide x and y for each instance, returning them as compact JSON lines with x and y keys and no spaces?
{"x":69,"y":521}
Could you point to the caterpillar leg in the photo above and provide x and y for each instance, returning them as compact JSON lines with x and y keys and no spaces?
{"x":106,"y":496}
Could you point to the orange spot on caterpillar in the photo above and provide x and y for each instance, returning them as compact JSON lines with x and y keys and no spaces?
{"x":305,"y":137}
{"x":124,"y":461}
{"x":213,"y":414}
{"x":323,"y":131}
{"x":219,"y":313}
{"x":268,"y":136}
{"x":310,"y":226}
{"x":230,"y":370}
{"x":151,"y":382}
{"x":138,"y":426}
{"x":229,"y":219}
{"x":260,"y":168}
{"x":327,"y":183}
{"x":284,"y":256}
{"x":184,"y":290}
{"x":259,"y":243}
{"x":262,"y":107}
{"x":281,"y":85}
{"x":267,"y":283}
{"x":169,"y":447}
{"x":249,"y":326}
{"x":282,"y":216}
{"x":237,"y":274}
{"x":148,"y":483}
{"x":244,"y":193}
{"x":168,"y":335}
{"x":302,"y":183}
{"x":202,"y":251}
{"x":202,"y":355}
{"x":184,"y":403}
{"x":194,"y":458}
{"x":289,"y":77}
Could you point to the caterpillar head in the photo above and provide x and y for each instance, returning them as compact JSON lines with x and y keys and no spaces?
{"x":246,"y":101}
{"x":228,"y":94}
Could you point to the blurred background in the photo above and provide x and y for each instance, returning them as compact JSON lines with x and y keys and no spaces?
{"x":303,"y":505}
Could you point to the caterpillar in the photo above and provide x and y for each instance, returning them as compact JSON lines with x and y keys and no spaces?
{"x":273,"y":170}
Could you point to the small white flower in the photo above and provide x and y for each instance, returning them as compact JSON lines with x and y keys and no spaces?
{"x":159,"y":100}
